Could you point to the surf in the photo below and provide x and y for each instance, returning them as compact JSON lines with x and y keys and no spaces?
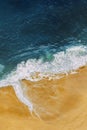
{"x":62,"y":63}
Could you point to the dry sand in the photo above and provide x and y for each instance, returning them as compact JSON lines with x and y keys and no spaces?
{"x":58,"y":104}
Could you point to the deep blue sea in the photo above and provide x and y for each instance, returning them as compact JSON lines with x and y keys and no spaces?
{"x":40,"y":29}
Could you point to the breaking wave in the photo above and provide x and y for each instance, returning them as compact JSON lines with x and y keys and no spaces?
{"x":63,"y":62}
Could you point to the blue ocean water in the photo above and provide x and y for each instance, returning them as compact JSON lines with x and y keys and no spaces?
{"x":32,"y":29}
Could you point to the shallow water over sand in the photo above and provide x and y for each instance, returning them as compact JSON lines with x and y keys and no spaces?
{"x":66,"y":105}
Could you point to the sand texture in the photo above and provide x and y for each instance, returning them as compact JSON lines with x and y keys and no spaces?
{"x":57,"y":104}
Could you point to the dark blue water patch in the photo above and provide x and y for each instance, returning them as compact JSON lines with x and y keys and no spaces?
{"x":34,"y":29}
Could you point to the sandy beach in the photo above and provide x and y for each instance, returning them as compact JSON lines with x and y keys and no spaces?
{"x":59,"y":104}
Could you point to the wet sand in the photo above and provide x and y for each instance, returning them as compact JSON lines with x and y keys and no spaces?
{"x":58,"y":104}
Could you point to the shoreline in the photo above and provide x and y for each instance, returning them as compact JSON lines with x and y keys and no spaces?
{"x":65,"y":99}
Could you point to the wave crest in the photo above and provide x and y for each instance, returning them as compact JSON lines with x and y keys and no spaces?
{"x":64,"y":62}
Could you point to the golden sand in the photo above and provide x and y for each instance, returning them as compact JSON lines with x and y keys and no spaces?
{"x":58,"y":104}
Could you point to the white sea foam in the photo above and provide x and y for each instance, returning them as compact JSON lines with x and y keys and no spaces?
{"x":64,"y":62}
